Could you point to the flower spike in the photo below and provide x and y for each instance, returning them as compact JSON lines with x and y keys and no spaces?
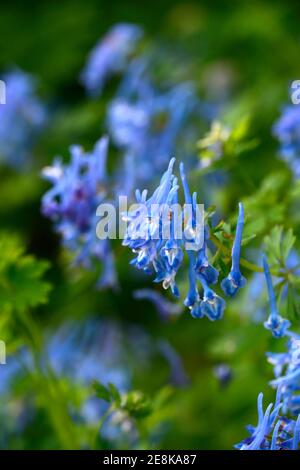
{"x":275,"y":322}
{"x":235,"y":281}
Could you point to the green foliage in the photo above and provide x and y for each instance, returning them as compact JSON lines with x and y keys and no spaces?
{"x":223,"y":144}
{"x":21,"y":283}
{"x":278,"y":245}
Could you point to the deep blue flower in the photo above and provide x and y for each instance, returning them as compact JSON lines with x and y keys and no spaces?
{"x":287,"y":373}
{"x":164,"y":257}
{"x":21,"y":118}
{"x":273,"y":431}
{"x":235,"y":281}
{"x":259,"y":434}
{"x":212,"y":305}
{"x":275,"y":322}
{"x":145,"y":234}
{"x":78,"y":189}
{"x":110,"y":56}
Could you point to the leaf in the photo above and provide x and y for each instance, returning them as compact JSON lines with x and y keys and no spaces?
{"x":137,"y":404}
{"x":293,"y":308}
{"x":114,"y":392}
{"x":101,"y":391}
{"x":288,"y":243}
{"x":278,"y":245}
{"x":21,"y":284}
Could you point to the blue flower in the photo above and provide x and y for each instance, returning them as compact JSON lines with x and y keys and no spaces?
{"x":148,"y":124}
{"x":165,"y":308}
{"x":145,"y":232}
{"x":275,"y":322}
{"x":259,"y":434}
{"x":287,"y":373}
{"x":77,"y":190}
{"x":212,"y":305}
{"x":223,"y":373}
{"x":110,"y":56}
{"x":235,"y":281}
{"x":273,"y":431}
{"x":22,"y":118}
{"x":287,"y":130}
{"x":163,"y":256}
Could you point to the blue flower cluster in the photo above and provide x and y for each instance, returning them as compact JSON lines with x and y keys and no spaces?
{"x":146,"y":121}
{"x":287,"y":373}
{"x":21,"y":118}
{"x":287,"y":130}
{"x":78,"y":189}
{"x":159,"y":246}
{"x":110,"y":56}
{"x":273,"y":432}
{"x":279,"y":429}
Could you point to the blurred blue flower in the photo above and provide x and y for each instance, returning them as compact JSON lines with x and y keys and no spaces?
{"x":223,"y":373}
{"x":78,"y":189}
{"x":287,"y":130}
{"x":89,"y":350}
{"x":21,"y":118}
{"x":165,"y":308}
{"x":110,"y":56}
{"x":178,"y":375}
{"x":148,"y":124}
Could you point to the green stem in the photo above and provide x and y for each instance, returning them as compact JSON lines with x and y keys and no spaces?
{"x":243,"y":262}
{"x":49,"y":386}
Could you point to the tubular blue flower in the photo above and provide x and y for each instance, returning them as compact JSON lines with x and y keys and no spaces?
{"x":202,"y":266}
{"x":275,"y":436}
{"x":235,"y":281}
{"x":273,"y":432}
{"x":21,"y":118}
{"x":110,"y":56}
{"x":78,"y":189}
{"x":212,"y":305}
{"x":260,"y":433}
{"x":287,"y":130}
{"x":287,"y":373}
{"x":275,"y":322}
{"x":145,"y":232}
{"x":280,"y":432}
{"x":155,"y":254}
{"x":296,"y":438}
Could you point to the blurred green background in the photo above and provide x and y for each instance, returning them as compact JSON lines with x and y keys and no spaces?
{"x":254,"y":47}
